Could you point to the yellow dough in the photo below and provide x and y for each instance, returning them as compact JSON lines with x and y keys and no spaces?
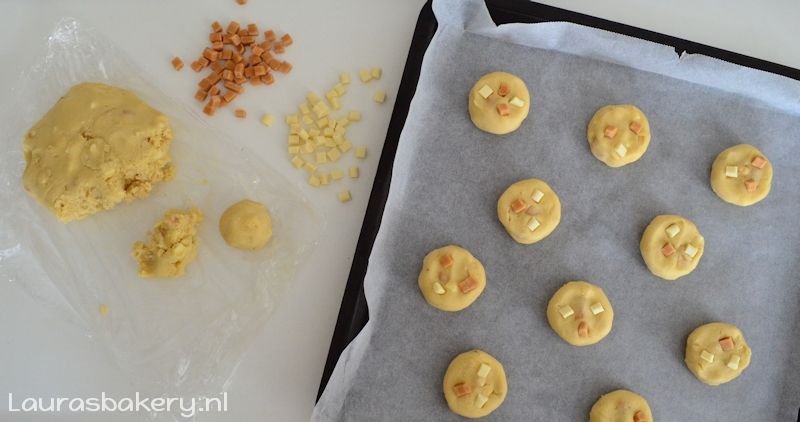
{"x":735,"y":169}
{"x":625,"y":146}
{"x":485,"y":98}
{"x":537,"y":219}
{"x":717,"y":353}
{"x":98,"y":146}
{"x":172,"y":245}
{"x":246,"y":225}
{"x":671,"y":256}
{"x":451,"y":278}
{"x":474,"y":384}
{"x":580,"y":313}
{"x":621,"y":406}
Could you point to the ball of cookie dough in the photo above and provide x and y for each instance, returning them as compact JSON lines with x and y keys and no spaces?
{"x":741,"y":175}
{"x":580,"y":313}
{"x":621,"y":406}
{"x":671,"y":246}
{"x":172,"y":245}
{"x":618,"y":134}
{"x":498,"y":103}
{"x":529,"y":210}
{"x":451,"y":278}
{"x":474,"y":384}
{"x":717,"y":353}
{"x":246,"y":225}
{"x":98,"y":146}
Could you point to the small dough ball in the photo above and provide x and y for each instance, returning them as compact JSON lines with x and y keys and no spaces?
{"x":474,"y":384}
{"x":98,"y":146}
{"x":451,"y":278}
{"x":580,"y":313}
{"x":246,"y":225}
{"x":621,"y":406}
{"x":498,"y":103}
{"x":172,"y":246}
{"x":618,"y":134}
{"x":717,"y":353}
{"x":529,"y":210}
{"x":671,"y":246}
{"x":741,"y":175}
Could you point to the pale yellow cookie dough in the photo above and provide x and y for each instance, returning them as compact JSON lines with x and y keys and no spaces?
{"x":618,"y":134}
{"x":474,"y":384}
{"x":246,"y":225}
{"x":741,"y":175}
{"x":487,"y":101}
{"x":172,"y":246}
{"x":671,"y":246}
{"x":621,"y":406}
{"x":451,"y":278}
{"x":98,"y":146}
{"x":580,"y":313}
{"x":529,"y":210}
{"x":717,"y":353}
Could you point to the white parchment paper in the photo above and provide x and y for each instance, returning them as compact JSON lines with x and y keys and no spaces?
{"x":446,"y":180}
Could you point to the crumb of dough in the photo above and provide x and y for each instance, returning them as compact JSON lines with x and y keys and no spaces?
{"x":172,"y":245}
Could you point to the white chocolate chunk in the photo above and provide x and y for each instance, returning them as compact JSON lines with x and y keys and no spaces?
{"x":732,"y":171}
{"x":566,"y":311}
{"x":344,"y":78}
{"x":344,"y":196}
{"x":537,"y":196}
{"x":621,"y":150}
{"x":480,"y":400}
{"x":438,"y":289}
{"x":485,"y":91}
{"x":484,"y":370}
{"x":690,"y":250}
{"x":517,"y":102}
{"x":533,"y":224}
{"x":706,"y":356}
{"x":597,"y":308}
{"x":481,"y":382}
{"x":365,"y":75}
{"x":673,"y":230}
{"x":361,"y":152}
{"x":451,"y":286}
{"x":379,"y":97}
{"x":353,"y":171}
{"x":734,"y":362}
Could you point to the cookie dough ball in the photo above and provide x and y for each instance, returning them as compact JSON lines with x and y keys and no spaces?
{"x":580,"y":313}
{"x":498,"y":103}
{"x":621,"y":406}
{"x":671,"y":246}
{"x":474,"y":384}
{"x":618,"y":134}
{"x":246,"y":225}
{"x":98,"y":146}
{"x":172,"y":246}
{"x":529,"y":210}
{"x":451,"y":278}
{"x":741,"y":175}
{"x":717,"y":353}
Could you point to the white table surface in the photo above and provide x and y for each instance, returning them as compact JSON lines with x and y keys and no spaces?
{"x":46,"y":353}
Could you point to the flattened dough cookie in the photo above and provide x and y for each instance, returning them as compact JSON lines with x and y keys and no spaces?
{"x":451,"y":278}
{"x":580,"y":313}
{"x":498,"y":103}
{"x":621,"y":406}
{"x":246,"y":225}
{"x":172,"y":246}
{"x":529,"y":210}
{"x":618,"y":134}
{"x":474,"y":384}
{"x":717,"y":353}
{"x":741,"y":175}
{"x":671,"y":246}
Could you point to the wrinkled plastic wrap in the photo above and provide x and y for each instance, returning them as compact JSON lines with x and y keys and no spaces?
{"x":179,"y":336}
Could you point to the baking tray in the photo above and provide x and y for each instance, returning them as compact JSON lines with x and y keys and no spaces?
{"x":353,"y":313}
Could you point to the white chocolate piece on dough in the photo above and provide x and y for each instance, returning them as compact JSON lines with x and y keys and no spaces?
{"x":673,"y":230}
{"x":707,"y":356}
{"x":620,"y":150}
{"x":438,"y":289}
{"x":732,"y":171}
{"x":733,"y":363}
{"x":480,"y":400}
{"x":537,"y":196}
{"x":484,"y":370}
{"x":597,"y":308}
{"x":690,"y":250}
{"x":566,"y":311}
{"x":485,"y":91}
{"x":533,"y":224}
{"x":517,"y":102}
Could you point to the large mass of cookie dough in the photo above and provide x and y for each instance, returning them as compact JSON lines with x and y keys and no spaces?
{"x":529,"y":210}
{"x":98,"y":146}
{"x":474,"y":384}
{"x":741,"y":175}
{"x":498,"y":103}
{"x":717,"y":353}
{"x":671,"y":246}
{"x":246,"y":225}
{"x":451,"y":278}
{"x":618,"y":134}
{"x":621,"y":406}
{"x":172,"y":245}
{"x":580,"y":313}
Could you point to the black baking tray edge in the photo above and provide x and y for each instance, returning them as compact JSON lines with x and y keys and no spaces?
{"x":353,"y":313}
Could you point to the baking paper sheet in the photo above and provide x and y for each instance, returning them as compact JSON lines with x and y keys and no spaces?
{"x":448,"y":176}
